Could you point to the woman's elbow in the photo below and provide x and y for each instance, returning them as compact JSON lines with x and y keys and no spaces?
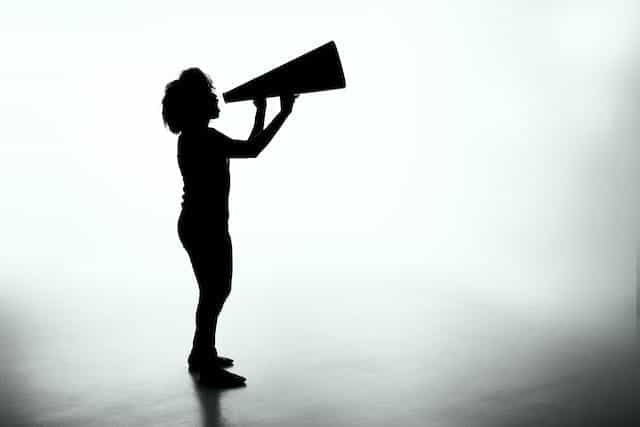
{"x":247,"y":152}
{"x":245,"y":149}
{"x":254,"y":148}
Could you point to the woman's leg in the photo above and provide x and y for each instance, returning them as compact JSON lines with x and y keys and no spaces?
{"x":213,"y":267}
{"x":223,"y":286}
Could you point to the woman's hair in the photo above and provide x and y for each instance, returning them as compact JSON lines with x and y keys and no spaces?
{"x":186,"y":99}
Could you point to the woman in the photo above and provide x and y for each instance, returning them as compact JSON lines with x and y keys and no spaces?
{"x":203,"y":157}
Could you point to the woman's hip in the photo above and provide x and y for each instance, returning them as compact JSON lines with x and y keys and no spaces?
{"x":198,"y":234}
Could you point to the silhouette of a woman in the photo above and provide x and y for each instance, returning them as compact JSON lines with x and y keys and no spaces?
{"x":188,"y":105}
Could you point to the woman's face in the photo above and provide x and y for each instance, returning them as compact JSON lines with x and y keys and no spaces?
{"x":214,"y":110}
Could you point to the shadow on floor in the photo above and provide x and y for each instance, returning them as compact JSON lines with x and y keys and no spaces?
{"x":209,"y":400}
{"x":603,"y":390}
{"x":16,"y":403}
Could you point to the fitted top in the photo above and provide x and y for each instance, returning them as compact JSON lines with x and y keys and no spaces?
{"x":204,"y":166}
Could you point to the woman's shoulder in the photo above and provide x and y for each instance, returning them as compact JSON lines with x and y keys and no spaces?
{"x":189,"y":141}
{"x":205,"y":141}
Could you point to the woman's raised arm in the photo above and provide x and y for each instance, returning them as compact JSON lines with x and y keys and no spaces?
{"x":260,"y":138}
{"x":258,"y":124}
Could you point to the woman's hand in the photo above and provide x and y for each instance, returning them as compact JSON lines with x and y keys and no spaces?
{"x":286,"y":103}
{"x":260,"y":103}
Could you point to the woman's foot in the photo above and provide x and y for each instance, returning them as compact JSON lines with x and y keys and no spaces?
{"x":223,"y":362}
{"x":198,"y":362}
{"x":217,"y":377}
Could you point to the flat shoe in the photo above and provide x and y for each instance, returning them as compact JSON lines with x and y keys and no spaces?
{"x":219,"y":378}
{"x":197,"y":364}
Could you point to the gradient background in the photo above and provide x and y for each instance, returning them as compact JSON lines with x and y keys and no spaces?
{"x":477,"y":179}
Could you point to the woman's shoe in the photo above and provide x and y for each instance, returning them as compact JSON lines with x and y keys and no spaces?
{"x":217,"y":377}
{"x":197,"y":362}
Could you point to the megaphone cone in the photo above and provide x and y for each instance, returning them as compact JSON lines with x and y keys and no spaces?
{"x":315,"y":71}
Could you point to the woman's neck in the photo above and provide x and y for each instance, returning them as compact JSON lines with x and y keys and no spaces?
{"x":197,"y":127}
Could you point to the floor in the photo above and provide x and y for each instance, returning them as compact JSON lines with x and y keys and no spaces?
{"x":317,"y":352}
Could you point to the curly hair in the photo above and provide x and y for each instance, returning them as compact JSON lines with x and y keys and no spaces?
{"x":186,"y":99}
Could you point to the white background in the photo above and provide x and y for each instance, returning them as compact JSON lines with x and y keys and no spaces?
{"x":487,"y":149}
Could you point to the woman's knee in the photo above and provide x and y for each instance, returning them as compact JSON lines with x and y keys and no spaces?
{"x":215,"y":294}
{"x":226,"y":290}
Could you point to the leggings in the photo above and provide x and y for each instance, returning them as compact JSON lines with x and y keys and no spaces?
{"x":210,"y":251}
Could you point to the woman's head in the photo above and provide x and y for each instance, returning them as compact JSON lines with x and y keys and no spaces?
{"x":189,"y":101}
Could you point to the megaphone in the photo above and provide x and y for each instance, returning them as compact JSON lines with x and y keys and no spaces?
{"x":317,"y":70}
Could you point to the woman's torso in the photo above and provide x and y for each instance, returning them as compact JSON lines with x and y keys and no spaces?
{"x":205,"y":174}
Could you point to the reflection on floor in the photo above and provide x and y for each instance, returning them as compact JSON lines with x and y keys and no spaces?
{"x":338,"y":354}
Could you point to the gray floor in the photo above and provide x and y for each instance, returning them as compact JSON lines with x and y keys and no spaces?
{"x":403,"y":352}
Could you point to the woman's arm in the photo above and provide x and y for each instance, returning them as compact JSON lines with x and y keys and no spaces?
{"x":261,"y":109}
{"x":258,"y":141}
